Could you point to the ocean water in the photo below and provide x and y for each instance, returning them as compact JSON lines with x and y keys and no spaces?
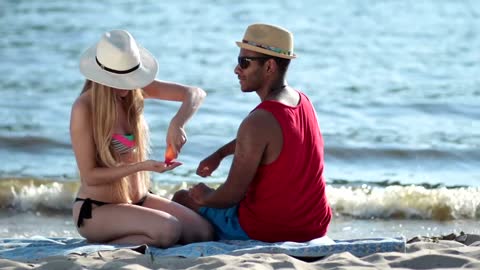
{"x":395,"y":84}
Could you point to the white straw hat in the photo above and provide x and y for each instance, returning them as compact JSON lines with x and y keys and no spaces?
{"x":118,"y":61}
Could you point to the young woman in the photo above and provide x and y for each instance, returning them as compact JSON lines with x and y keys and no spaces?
{"x":110,"y":141}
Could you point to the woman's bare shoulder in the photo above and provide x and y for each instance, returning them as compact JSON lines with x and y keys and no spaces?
{"x":81,"y":110}
{"x":82,"y":104}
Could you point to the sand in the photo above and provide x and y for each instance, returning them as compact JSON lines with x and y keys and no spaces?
{"x":445,"y":252}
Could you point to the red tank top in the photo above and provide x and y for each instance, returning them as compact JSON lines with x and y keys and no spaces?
{"x":286,"y":200}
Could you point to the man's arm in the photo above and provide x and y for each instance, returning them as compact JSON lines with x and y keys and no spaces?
{"x":250,"y":145}
{"x":227,"y":150}
{"x":208,"y":165}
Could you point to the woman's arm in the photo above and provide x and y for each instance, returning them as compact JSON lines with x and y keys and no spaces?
{"x":191,"y":98}
{"x":85,"y":152}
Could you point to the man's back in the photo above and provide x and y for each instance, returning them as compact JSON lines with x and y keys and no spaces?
{"x":271,"y":130}
{"x":286,"y":199}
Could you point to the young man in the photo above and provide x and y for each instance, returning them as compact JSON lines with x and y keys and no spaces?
{"x":275,"y":190}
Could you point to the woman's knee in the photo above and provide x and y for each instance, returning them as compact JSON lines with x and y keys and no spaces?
{"x":207,"y":234}
{"x":167,"y":234}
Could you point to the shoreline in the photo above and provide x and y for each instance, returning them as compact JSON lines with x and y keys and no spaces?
{"x":25,"y":225}
{"x":452,"y":251}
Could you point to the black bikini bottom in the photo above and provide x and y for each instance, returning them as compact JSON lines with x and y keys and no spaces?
{"x":86,"y":208}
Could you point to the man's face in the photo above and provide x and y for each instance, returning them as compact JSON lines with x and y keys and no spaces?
{"x":249,"y":70}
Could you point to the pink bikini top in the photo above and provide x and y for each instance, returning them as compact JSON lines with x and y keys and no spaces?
{"x":123,"y":144}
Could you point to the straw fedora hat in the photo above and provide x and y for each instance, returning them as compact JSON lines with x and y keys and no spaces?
{"x":118,"y":61}
{"x":268,"y":39}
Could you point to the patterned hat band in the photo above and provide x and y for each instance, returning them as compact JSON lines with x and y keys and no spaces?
{"x":270,"y":48}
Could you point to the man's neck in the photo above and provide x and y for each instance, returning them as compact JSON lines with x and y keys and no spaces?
{"x":271,"y":90}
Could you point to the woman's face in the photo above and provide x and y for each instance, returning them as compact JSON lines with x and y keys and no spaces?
{"x":121,"y":93}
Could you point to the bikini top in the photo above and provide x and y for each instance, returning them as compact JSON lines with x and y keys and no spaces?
{"x":123,"y":144}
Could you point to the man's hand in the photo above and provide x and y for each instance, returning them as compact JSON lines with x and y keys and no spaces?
{"x":199,"y":193}
{"x":209,"y":165}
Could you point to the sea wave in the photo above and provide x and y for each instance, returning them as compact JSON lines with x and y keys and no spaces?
{"x":397,"y":153}
{"x":360,"y":201}
{"x":406,"y":202}
{"x":31,"y":143}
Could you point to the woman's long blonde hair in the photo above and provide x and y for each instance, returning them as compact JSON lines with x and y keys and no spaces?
{"x":104,"y":117}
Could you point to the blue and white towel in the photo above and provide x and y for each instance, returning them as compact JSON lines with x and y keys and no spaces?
{"x":40,"y":247}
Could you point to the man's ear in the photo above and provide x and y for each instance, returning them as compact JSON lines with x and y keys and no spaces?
{"x":271,"y":65}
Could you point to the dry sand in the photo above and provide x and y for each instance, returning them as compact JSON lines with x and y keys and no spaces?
{"x":422,"y":253}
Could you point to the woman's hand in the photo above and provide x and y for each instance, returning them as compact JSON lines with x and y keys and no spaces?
{"x":176,"y":137}
{"x":191,"y":98}
{"x":158,"y":166}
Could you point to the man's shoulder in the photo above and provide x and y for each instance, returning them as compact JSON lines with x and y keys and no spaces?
{"x":259,"y":116}
{"x":258,"y":121}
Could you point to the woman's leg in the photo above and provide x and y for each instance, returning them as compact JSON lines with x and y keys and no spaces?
{"x":194,"y":227}
{"x":131,"y":224}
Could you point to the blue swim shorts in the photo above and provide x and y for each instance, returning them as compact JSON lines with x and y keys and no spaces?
{"x":225,"y":222}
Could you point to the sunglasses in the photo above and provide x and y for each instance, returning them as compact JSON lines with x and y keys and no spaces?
{"x":244,"y":61}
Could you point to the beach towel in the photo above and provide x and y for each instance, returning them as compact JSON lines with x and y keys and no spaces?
{"x":27,"y":249}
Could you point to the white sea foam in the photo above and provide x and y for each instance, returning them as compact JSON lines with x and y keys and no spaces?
{"x":363,"y":202}
{"x":406,"y":202}
{"x":52,"y":196}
